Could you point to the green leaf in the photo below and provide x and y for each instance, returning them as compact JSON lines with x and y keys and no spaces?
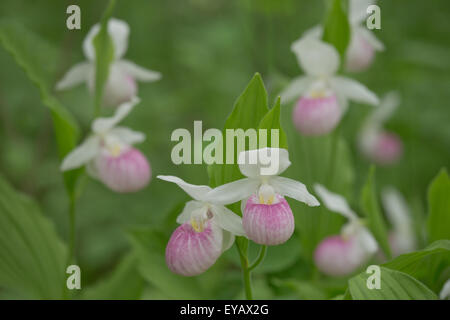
{"x":124,"y":283}
{"x":36,"y":57}
{"x":395,"y":285}
{"x":337,"y":27}
{"x":371,"y":209}
{"x":438,"y":223}
{"x":32,"y":257}
{"x":248,"y":111}
{"x":104,"y":55}
{"x":427,"y":265}
{"x":149,"y":247}
{"x":272,"y":121}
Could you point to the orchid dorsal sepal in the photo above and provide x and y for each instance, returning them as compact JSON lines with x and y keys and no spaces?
{"x":202,"y":209}
{"x":252,"y":165}
{"x":120,"y":85}
{"x":105,"y":134}
{"x":321,"y":61}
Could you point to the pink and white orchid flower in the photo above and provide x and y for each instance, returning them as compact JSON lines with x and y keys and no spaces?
{"x":363,"y":43}
{"x":375,"y":143}
{"x":267,"y":217}
{"x":445,"y":291}
{"x":342,"y":254}
{"x":206,"y":229}
{"x":401,"y":237}
{"x":121,"y":84}
{"x":109,"y":156}
{"x":324,"y":95}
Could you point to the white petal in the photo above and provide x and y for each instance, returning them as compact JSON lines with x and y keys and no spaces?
{"x":316,"y":57}
{"x":371,"y":39}
{"x":102,"y":125}
{"x":196,"y":192}
{"x":233,"y":191}
{"x":118,"y":31}
{"x":296,"y":88}
{"x":227,"y":220}
{"x":387,"y":107}
{"x":353,"y":90}
{"x":293,"y":189}
{"x":358,"y":10}
{"x":82,"y":154}
{"x":189,"y":207}
{"x":138,"y":72}
{"x":335,"y":202}
{"x":397,"y":210}
{"x":228,"y":240}
{"x":445,"y":292}
{"x":367,"y":241}
{"x":126,"y":135}
{"x":77,"y":74}
{"x":263,"y":162}
{"x":314,"y":32}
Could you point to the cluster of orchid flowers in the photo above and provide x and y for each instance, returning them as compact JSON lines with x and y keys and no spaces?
{"x":108,"y":153}
{"x":207,"y":227}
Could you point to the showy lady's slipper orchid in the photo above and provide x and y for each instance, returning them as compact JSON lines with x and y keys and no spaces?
{"x":324,"y":95}
{"x":121,"y":85}
{"x":401,"y":238}
{"x":267,"y":217}
{"x":108,"y":154}
{"x":363,"y":43}
{"x":342,"y":254}
{"x":445,"y":291}
{"x":377,"y":144}
{"x":207,"y":229}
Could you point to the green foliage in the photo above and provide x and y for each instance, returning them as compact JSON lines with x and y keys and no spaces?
{"x":148,"y":246}
{"x":337,"y":27}
{"x":31,"y":254}
{"x":104,"y":55}
{"x":371,"y":209}
{"x":124,"y":283}
{"x":35,"y":57}
{"x":272,"y":121}
{"x":438,"y":223}
{"x":395,"y":285}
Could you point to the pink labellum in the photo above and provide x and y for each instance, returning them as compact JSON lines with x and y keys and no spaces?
{"x":317,"y":116}
{"x":190,"y":252}
{"x":268,"y":224}
{"x":128,"y":171}
{"x":360,"y":54}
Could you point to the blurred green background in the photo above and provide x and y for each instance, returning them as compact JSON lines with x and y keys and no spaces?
{"x":207,"y":52}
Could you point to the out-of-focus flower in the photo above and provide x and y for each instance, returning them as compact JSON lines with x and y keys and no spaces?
{"x":363,"y":43}
{"x":401,"y":237}
{"x":375,"y":143}
{"x":108,"y":154}
{"x":445,"y":292}
{"x":324,"y":95}
{"x":342,"y":254}
{"x":121,"y":84}
{"x":207,"y":229}
{"x":267,"y":217}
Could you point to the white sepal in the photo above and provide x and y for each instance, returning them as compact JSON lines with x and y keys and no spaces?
{"x":335,"y":202}
{"x":233,"y":191}
{"x":79,"y":73}
{"x":316,"y":57}
{"x":82,"y":154}
{"x":196,"y":192}
{"x":263,"y":162}
{"x":126,"y":135}
{"x":138,"y":72}
{"x":353,"y":90}
{"x":102,"y":125}
{"x":227,"y":220}
{"x":296,"y":88}
{"x":293,"y":189}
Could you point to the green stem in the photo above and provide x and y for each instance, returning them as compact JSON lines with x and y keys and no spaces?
{"x":333,"y":156}
{"x":72,"y":229}
{"x":245,"y":272}
{"x":261,"y":256}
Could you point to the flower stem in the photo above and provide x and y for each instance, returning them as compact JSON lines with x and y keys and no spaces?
{"x":333,"y":156}
{"x":245,"y":269}
{"x":72,"y":228}
{"x":261,"y":256}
